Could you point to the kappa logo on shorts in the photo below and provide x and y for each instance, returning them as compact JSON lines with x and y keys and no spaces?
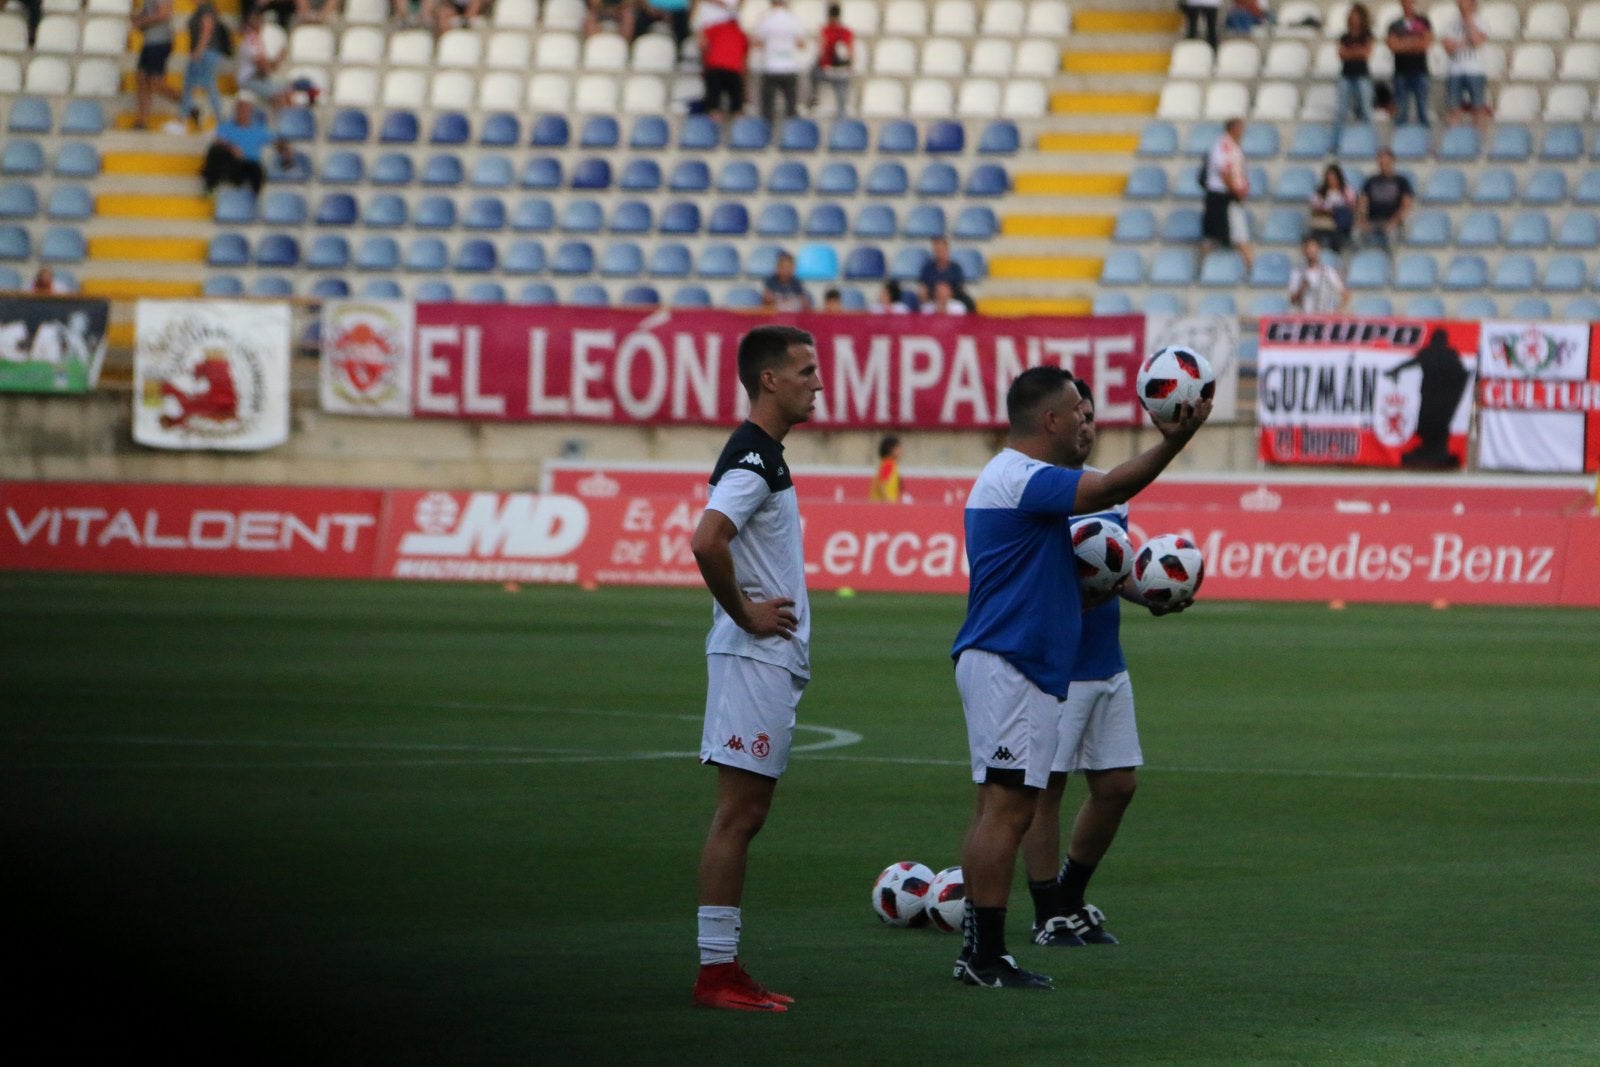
{"x":761,"y":747}
{"x":1002,"y":755}
{"x":735,"y":743}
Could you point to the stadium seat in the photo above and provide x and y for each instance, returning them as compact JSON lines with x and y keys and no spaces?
{"x":639,"y":296}
{"x":20,"y":200}
{"x":971,"y":261}
{"x":1581,"y":229}
{"x":1158,"y":140}
{"x":988,"y":179}
{"x":434,"y":213}
{"x":377,"y":253}
{"x":485,"y":292}
{"x":225,"y":249}
{"x":1283,"y":226}
{"x":671,"y":261}
{"x":876,"y":220}
{"x":825,"y":220}
{"x":485,"y":213}
{"x":1495,"y":186}
{"x":1270,"y":271}
{"x":897,"y":136}
{"x":1514,"y":274}
{"x":582,"y":216}
{"x":1511,"y":144}
{"x":741,"y":297}
{"x":999,"y":137}
{"x":600,"y":131}
{"x":476,"y":256}
{"x":975,"y":223}
{"x":393,"y":168}
{"x":1295,"y":185}
{"x":1530,"y":307}
{"x":789,"y":178}
{"x":328,"y":251}
{"x":550,"y":131}
{"x":541,"y":172}
{"x":649,"y":132}
{"x":450,"y":128}
{"x":689,"y":176}
{"x":1369,"y":269}
{"x":591,"y":173}
{"x":77,"y":159}
{"x":640,"y":176}
{"x":778,"y":220}
{"x":848,"y":135}
{"x":1545,"y":187}
{"x":1173,"y":266}
{"x":699,"y":133}
{"x":1181,"y":226}
{"x":221,"y":286}
{"x":1583,"y":309}
{"x":24,"y":158}
{"x":398,"y":127}
{"x":1313,"y":141}
{"x":1260,"y":142}
{"x":87,"y":118}
{"x":622,"y":259}
{"x":343,"y":168}
{"x":1410,"y":143}
{"x":533,"y":214}
{"x":1146,"y":183}
{"x":524,"y":257}
{"x":865,"y":264}
{"x":888,"y":178}
{"x":944,"y":136}
{"x":1564,"y":274}
{"x":537,"y":293}
{"x":816,"y":263}
{"x":426,"y":254}
{"x":573,"y":258}
{"x":924,"y":221}
{"x":1478,"y":307}
{"x":680,"y":217}
{"x":500,"y":129}
{"x":271,"y":286}
{"x":491,"y":172}
{"x":749,"y":134}
{"x":1561,"y":144}
{"x":277,"y":250}
{"x":691,"y":296}
{"x":1416,"y":270}
{"x":738,"y":176}
{"x":384,"y":211}
{"x":1423,"y":307}
{"x":1466,"y":273}
{"x":1226,"y":268}
{"x":1163,"y":304}
{"x":63,"y":244}
{"x":1111,"y":304}
{"x":30,"y":114}
{"x":1135,"y":225}
{"x":1459,"y":144}
{"x":1530,"y":229}
{"x":434,"y":291}
{"x":938,"y":179}
{"x":838,"y":179}
{"x":729,"y":220}
{"x":1372,"y":306}
{"x":288,"y":208}
{"x":1357,"y":142}
{"x":1446,"y":186}
{"x":1479,"y":229}
{"x":1218,"y":304}
{"x":718,"y":260}
{"x":632,"y":217}
{"x":1428,"y":228}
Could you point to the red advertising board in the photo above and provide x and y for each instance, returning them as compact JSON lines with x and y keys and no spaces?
{"x":670,"y":367}
{"x":189,"y":529}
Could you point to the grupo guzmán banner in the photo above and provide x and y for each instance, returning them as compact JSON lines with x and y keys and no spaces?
{"x":1365,"y":392}
{"x":51,"y":344}
{"x":1539,"y":397}
{"x":211,"y":375}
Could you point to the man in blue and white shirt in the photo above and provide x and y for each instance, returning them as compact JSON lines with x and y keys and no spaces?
{"x":1017,"y":650}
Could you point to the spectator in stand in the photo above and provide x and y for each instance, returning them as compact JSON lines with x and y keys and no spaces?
{"x":257,"y":64}
{"x":674,"y":13}
{"x":832,"y":299}
{"x":781,"y":36}
{"x":620,"y":13}
{"x":210,"y":42}
{"x":1316,"y":288}
{"x":891,"y":300}
{"x":287,"y":165}
{"x":723,"y":51}
{"x":1196,"y":10}
{"x":1355,"y":72}
{"x":234,"y":157}
{"x":1333,"y":210}
{"x":282,"y":10}
{"x":885,"y":485}
{"x":314,"y":11}
{"x":836,"y":52}
{"x":46,"y":282}
{"x":153,"y":20}
{"x":941,"y":268}
{"x":1223,"y":222}
{"x":1409,"y":38}
{"x":944,"y":301}
{"x":33,"y":11}
{"x":1384,"y":204}
{"x":782,"y":291}
{"x":448,"y":14}
{"x":1466,"y":85}
{"x":1245,"y":16}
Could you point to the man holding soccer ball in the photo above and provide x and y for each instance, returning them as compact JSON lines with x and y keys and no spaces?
{"x":1016,"y":652}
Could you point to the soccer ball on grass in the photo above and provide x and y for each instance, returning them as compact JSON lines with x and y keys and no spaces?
{"x":947,"y":899}
{"x":899,"y":895}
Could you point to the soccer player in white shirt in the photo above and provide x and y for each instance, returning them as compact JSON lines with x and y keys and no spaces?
{"x":1316,"y":288}
{"x":758,"y":651}
{"x":1016,"y":650}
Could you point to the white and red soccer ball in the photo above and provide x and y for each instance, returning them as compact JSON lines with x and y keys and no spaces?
{"x":947,"y":899}
{"x":1105,"y":555}
{"x":1168,"y":570}
{"x":1172,"y":377}
{"x":900,"y":894}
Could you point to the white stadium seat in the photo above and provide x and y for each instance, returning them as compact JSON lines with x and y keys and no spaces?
{"x":931,"y":98}
{"x":811,"y":13}
{"x":500,"y":90}
{"x":1501,"y":21}
{"x":555,"y":51}
{"x":10,"y":75}
{"x":1517,"y":103}
{"x":361,"y":46}
{"x":1277,"y":102}
{"x":1548,"y":21}
{"x":1533,"y":63}
{"x":1319,"y":103}
{"x":979,"y":99}
{"x":1327,"y":62}
{"x":97,"y":77}
{"x":565,"y":16}
{"x":1580,"y":63}
{"x":894,"y":56}
{"x":405,"y":88}
{"x":596,"y":93}
{"x":514,"y":14}
{"x":13,"y":35}
{"x":1049,"y":18}
{"x":642,"y":94}
{"x":549,"y":92}
{"x":57,"y":34}
{"x":605,"y":51}
{"x":1024,"y":100}
{"x":1338,"y":16}
{"x":883,"y":98}
{"x":1180,"y":102}
{"x":452,"y":90}
{"x":1225,"y":100}
{"x":1237,"y":59}
{"x":1293,"y":12}
{"x":48,"y":76}
{"x":991,"y":58}
{"x":1381,"y":63}
{"x":654,"y":53}
{"x":366,"y":12}
{"x":908,"y":18}
{"x":509,"y":50}
{"x":107,"y":37}
{"x":1588,"y":28}
{"x":955,"y":17}
{"x":1190,"y":59}
{"x":861,"y":16}
{"x":750,"y":12}
{"x":1567,"y":103}
{"x":107,"y":7}
{"x":311,"y":44}
{"x":462,"y":49}
{"x":1004,"y":18}
{"x":411,"y":48}
{"x":355,"y":87}
{"x":1286,"y":59}
{"x":1037,"y":59}
{"x":943,"y":58}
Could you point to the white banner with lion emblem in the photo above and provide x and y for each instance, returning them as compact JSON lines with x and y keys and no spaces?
{"x":211,"y":375}
{"x":366,"y":357}
{"x":1538,"y":397}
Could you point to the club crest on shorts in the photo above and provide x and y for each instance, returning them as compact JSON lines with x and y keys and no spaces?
{"x":761,"y":747}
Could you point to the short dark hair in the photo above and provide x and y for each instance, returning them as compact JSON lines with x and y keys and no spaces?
{"x":889,"y":443}
{"x":1032,"y":389}
{"x":1083,"y":389}
{"x":833,"y":12}
{"x":765,"y":347}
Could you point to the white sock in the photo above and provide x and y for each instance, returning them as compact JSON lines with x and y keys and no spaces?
{"x":719,"y":935}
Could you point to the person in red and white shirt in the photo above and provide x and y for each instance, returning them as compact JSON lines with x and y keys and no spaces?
{"x":836,"y":52}
{"x":1316,"y":288}
{"x":724,"y":49}
{"x":1224,"y":222}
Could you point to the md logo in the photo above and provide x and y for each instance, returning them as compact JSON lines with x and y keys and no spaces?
{"x":495,"y":525}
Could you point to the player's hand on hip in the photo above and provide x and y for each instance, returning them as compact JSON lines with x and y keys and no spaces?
{"x":771,"y":618}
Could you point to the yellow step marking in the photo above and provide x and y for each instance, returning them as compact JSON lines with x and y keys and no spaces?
{"x":1017,"y":305}
{"x":1115,"y":62}
{"x":134,"y":288}
{"x":1126,"y":22}
{"x":1084,"y":103}
{"x":151,"y":206}
{"x":1113,"y":143}
{"x":1058,"y":225}
{"x":1058,"y":184}
{"x":151,"y":164}
{"x":1073,"y":268}
{"x":164,"y":249}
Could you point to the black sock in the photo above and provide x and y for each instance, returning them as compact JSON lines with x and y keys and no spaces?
{"x":1046,"y":900}
{"x":988,"y":933}
{"x":1074,"y":882}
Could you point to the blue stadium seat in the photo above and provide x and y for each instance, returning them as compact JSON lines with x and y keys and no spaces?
{"x":938,"y":179}
{"x":399,"y":127}
{"x":591,"y":173}
{"x":1581,"y":229}
{"x":851,"y":299}
{"x":541,"y":172}
{"x":888,"y":178}
{"x":865,"y":264}
{"x":789,"y":178}
{"x":622,"y":259}
{"x":1466,"y":273}
{"x":550,"y":131}
{"x":778,"y":220}
{"x":221,"y":286}
{"x":1369,"y":269}
{"x":63,"y":244}
{"x":749,"y":134}
{"x":1583,"y":309}
{"x":1311,"y":142}
{"x":838,"y":179}
{"x":1495,"y":186}
{"x":738,"y":176}
{"x":70,"y":203}
{"x":1480,"y":229}
{"x":924,"y":221}
{"x":1587,"y":193}
{"x":434,"y":213}
{"x":799,"y":135}
{"x":77,"y":159}
{"x":876,"y":220}
{"x":582,"y":216}
{"x":1265,"y":304}
{"x":30,"y":114}
{"x":20,"y":200}
{"x":1283,"y":226}
{"x":296,"y":170}
{"x":1295,"y":185}
{"x":328,"y":251}
{"x":848,"y":135}
{"x":649,"y":132}
{"x":1000,"y":138}
{"x":329,"y":289}
{"x":761,"y":260}
{"x":640,"y":176}
{"x":1271,"y":271}
{"x":1146,"y":183}
{"x":1111,"y":304}
{"x":691,"y":296}
{"x":377,"y":253}
{"x":271,"y":286}
{"x":1564,"y":274}
{"x":524,"y":257}
{"x":1182,"y":226}
{"x":718,"y":260}
{"x":988,"y":179}
{"x":1223,"y":267}
{"x":600,"y":131}
{"x":343,"y":167}
{"x":533,"y":214}
{"x":23,"y":158}
{"x":1530,"y":307}
{"x":1423,"y":307}
{"x":348,"y":126}
{"x":1217,"y":304}
{"x":671,"y":260}
{"x":434,"y":291}
{"x":971,"y":261}
{"x":1410,"y":143}
{"x":1445,"y":186}
{"x":741,"y":297}
{"x":1511,"y":143}
{"x":640,"y":296}
{"x":277,"y":250}
{"x":825,"y":220}
{"x":500,"y":129}
{"x":233,"y":205}
{"x":680,"y":217}
{"x":1530,"y":229}
{"x":944,"y":136}
{"x":898,"y":136}
{"x":589,"y":295}
{"x":482,"y":292}
{"x":1416,"y":270}
{"x":1459,"y":144}
{"x":226,"y":249}
{"x":1478,"y":307}
{"x":393,"y":168}
{"x":689,"y":176}
{"x":381,"y":289}
{"x":485,"y":213}
{"x":15,"y":244}
{"x":1123,"y":266}
{"x":1515,"y":274}
{"x":443,"y":170}
{"x":1378,"y":307}
{"x":1358,"y":142}
{"x":1134,"y":225}
{"x":1260,"y":142}
{"x":537,"y":293}
{"x":907,"y":263}
{"x":1545,"y":187}
{"x":298,"y":124}
{"x":1164,"y":304}
{"x":573,"y":257}
{"x":492,"y":172}
{"x":1158,"y":140}
{"x":729,"y":220}
{"x":1428,"y":228}
{"x":335,"y":209}
{"x":426,"y":254}
{"x":816,"y":263}
{"x":699,"y":133}
{"x":386,"y":211}
{"x":976,"y":222}
{"x":450,"y":128}
{"x":632,"y":217}
{"x":1200,"y":137}
{"x":1561,"y":144}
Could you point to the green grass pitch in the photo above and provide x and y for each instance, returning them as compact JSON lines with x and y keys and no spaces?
{"x":318,"y":822}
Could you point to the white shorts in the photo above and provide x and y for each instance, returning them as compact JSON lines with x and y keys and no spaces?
{"x":1012,"y":724}
{"x":750,"y":712}
{"x":1238,"y":225}
{"x":1098,"y":731}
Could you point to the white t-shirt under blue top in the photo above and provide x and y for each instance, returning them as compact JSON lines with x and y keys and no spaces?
{"x":1100,"y":644}
{"x":1022,"y":600}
